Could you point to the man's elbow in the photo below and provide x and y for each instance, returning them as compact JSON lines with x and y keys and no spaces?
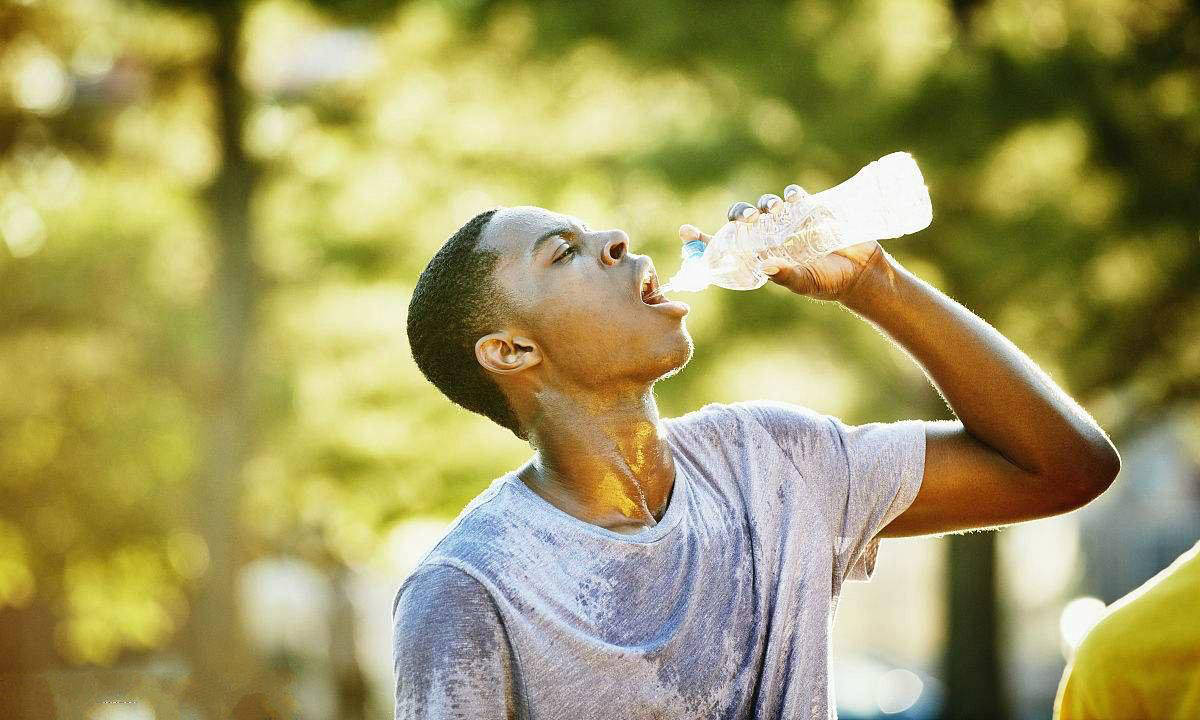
{"x":1105,"y":463}
{"x":1093,"y":472}
{"x":1111,"y":463}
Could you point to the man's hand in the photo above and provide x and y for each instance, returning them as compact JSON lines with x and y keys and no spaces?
{"x":1021,"y":448}
{"x":832,"y":277}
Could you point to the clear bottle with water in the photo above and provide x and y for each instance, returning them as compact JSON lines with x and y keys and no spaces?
{"x":886,"y":199}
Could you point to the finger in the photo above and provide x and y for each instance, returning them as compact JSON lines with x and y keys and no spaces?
{"x":791,"y":277}
{"x":691,"y":233}
{"x":741,"y":212}
{"x":770,"y":203}
{"x":781,"y":274}
{"x":793,"y":192}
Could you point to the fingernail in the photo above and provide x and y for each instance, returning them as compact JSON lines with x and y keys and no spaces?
{"x":690,"y":232}
{"x":738,"y":211}
{"x":770,"y":269}
{"x":769,"y":203}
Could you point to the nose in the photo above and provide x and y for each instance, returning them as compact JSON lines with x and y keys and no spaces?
{"x":615,"y":248}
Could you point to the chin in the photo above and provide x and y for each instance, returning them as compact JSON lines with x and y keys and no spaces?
{"x":678,"y":357}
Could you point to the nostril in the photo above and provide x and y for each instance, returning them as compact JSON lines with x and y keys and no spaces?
{"x":615,"y":250}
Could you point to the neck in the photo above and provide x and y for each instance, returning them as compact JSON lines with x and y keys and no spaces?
{"x":601,"y":459}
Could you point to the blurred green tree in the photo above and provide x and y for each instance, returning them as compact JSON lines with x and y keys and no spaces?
{"x":219,"y":659}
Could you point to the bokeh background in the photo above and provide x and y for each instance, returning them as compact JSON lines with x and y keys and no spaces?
{"x":218,"y":460}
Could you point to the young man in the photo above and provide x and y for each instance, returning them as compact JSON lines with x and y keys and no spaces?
{"x":643,"y":567}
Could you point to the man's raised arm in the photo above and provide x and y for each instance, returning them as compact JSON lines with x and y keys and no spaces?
{"x":1022,"y":448}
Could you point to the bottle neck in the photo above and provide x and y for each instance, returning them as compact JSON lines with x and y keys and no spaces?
{"x":692,"y":250}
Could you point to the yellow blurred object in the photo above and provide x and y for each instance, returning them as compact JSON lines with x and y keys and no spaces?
{"x":1142,"y":660}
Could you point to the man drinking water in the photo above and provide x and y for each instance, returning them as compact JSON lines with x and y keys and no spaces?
{"x":645,"y":567}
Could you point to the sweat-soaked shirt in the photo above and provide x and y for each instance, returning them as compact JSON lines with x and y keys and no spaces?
{"x":724,"y":609}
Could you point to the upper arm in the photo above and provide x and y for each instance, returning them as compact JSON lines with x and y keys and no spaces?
{"x":451,"y":655}
{"x":968,"y":484}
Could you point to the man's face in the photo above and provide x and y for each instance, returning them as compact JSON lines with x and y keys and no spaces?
{"x":578,"y":294}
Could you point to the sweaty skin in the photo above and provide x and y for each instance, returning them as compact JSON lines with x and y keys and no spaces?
{"x":577,"y":359}
{"x":578,"y":351}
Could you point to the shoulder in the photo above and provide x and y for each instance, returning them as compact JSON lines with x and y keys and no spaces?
{"x":479,"y":524}
{"x":707,"y":418}
{"x":794,"y":429}
{"x":771,"y":416}
{"x":444,"y":624}
{"x":801,"y":433}
{"x":1151,"y":616}
{"x":438,"y":581}
{"x":471,"y":542}
{"x":1098,"y":673}
{"x":774,"y":413}
{"x":439,"y":594}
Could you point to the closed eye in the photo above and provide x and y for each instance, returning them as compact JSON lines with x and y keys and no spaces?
{"x":570,"y":250}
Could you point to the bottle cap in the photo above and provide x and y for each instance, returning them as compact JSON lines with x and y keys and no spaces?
{"x":692,"y":250}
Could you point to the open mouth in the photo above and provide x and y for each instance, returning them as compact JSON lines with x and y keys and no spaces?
{"x":649,"y":287}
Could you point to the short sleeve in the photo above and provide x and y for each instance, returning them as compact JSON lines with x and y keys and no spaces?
{"x":864,"y":475}
{"x":451,"y":655}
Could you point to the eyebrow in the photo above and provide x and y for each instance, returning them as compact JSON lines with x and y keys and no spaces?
{"x":537,"y":244}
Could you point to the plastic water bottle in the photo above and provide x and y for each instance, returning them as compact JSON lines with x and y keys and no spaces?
{"x":886,"y":199}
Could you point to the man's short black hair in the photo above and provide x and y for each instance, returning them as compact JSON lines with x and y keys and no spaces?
{"x":454,"y":304}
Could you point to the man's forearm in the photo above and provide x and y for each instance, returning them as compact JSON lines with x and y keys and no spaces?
{"x":999,"y":394}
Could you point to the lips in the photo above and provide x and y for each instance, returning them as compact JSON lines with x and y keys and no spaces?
{"x":648,"y":286}
{"x":648,"y":292}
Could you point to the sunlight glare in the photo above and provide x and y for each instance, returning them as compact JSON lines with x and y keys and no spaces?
{"x":1078,"y":617}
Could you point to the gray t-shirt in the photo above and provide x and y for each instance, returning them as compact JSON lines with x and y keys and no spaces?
{"x":722,"y":610}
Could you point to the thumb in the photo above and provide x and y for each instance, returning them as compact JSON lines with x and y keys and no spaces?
{"x":691,"y":233}
{"x":796,"y":279}
{"x":777,"y":273}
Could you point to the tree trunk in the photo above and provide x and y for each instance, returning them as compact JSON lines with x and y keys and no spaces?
{"x":221,"y":661}
{"x":972,"y":661}
{"x":972,"y":664}
{"x":26,"y":655}
{"x":352,"y":691}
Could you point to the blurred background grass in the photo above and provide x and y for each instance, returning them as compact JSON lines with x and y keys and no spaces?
{"x":218,"y":461}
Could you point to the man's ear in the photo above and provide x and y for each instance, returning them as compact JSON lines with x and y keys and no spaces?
{"x":506,"y":353}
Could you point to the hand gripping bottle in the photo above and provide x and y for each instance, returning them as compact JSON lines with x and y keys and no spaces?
{"x":886,"y":199}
